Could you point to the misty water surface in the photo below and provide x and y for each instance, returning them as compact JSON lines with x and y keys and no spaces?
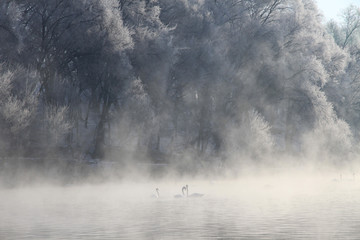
{"x":284,"y":208}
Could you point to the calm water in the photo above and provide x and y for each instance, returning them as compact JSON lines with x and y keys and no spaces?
{"x":249,"y":209}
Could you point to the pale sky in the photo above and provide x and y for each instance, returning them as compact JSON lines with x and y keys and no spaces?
{"x":332,"y":8}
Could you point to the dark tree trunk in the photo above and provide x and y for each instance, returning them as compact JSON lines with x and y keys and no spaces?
{"x":100,"y":131}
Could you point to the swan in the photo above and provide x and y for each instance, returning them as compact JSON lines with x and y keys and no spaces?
{"x":181,"y":195}
{"x":157,"y":195}
{"x":194,"y":195}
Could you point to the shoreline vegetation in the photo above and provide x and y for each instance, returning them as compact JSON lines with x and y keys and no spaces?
{"x":193,"y":87}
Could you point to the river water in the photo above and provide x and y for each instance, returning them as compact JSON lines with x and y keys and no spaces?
{"x":285,"y":208}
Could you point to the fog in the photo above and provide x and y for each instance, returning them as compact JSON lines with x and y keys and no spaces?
{"x":253,"y":105}
{"x":253,"y":207}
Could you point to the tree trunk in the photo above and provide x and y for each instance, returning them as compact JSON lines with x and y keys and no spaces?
{"x":100,"y":131}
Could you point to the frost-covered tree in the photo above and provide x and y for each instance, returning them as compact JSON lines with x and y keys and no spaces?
{"x":331,"y":137}
{"x":11,"y":31}
{"x":351,"y":26}
{"x":174,"y":76}
{"x":18,"y":107}
{"x":249,"y":137}
{"x":151,"y":58}
{"x":57,"y":124}
{"x":344,"y":91}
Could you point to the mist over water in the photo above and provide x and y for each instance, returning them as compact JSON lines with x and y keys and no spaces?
{"x":298,"y":207}
{"x":252,"y":202}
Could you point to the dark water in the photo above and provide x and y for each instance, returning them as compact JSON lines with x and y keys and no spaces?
{"x":229,"y":210}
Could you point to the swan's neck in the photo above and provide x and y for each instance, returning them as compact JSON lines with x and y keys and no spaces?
{"x":157,"y":193}
{"x":183,"y":190}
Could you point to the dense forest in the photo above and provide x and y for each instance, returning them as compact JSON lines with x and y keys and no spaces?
{"x":210,"y":82}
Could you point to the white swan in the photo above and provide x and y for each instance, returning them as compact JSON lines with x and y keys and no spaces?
{"x":194,"y":195}
{"x":181,"y":195}
{"x":157,"y":195}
